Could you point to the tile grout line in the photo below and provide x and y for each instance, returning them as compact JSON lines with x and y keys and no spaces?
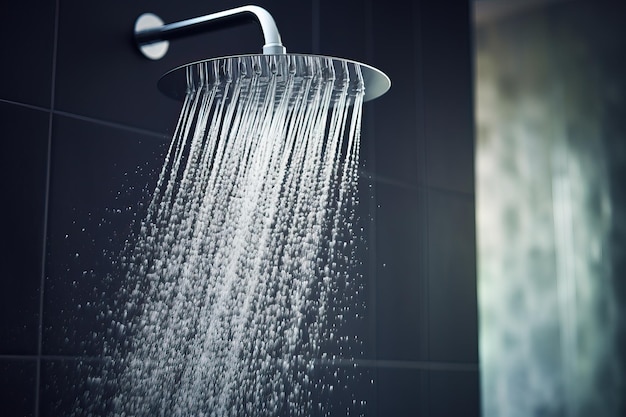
{"x":112,"y":124}
{"x":372,"y":281}
{"x":28,"y":106}
{"x":46,"y":208}
{"x":424,"y":298}
{"x":83,"y":118}
{"x":416,"y":186}
{"x":53,"y":357}
{"x":316,"y":29}
{"x":418,"y":34}
{"x":347,"y":362}
{"x":372,"y":195}
{"x":404,"y":364}
{"x":369,"y":174}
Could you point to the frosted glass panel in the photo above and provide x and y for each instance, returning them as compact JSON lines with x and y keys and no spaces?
{"x":549,"y":92}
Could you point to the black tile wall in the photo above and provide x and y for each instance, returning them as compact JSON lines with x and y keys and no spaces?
{"x":109,"y":132}
{"x":96,"y":57}
{"x":27,"y":42}
{"x":397,"y":140}
{"x":348,"y":390}
{"x":99,"y":72}
{"x":100,"y":183}
{"x":400,"y":331}
{"x":453,"y":319}
{"x":23,"y":181}
{"x":70,"y":388}
{"x":415,"y":392}
{"x":343,"y":29}
{"x":444,"y":55}
{"x":402,"y":392}
{"x":454,"y":393}
{"x":18,"y":387}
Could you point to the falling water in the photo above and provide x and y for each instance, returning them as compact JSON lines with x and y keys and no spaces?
{"x":243,"y":269}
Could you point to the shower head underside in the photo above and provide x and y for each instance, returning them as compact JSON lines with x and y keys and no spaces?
{"x":152,"y":38}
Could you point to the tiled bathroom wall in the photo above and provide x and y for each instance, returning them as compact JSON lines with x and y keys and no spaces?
{"x":84,"y":132}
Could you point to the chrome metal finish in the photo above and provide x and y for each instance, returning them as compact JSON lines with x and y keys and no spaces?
{"x":152,"y":38}
{"x":149,"y":32}
{"x":177,"y":82}
{"x":155,"y":49}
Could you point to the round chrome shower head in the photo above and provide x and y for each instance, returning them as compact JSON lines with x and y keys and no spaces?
{"x":343,"y":72}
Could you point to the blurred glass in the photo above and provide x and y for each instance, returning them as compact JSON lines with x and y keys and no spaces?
{"x":551,"y":206}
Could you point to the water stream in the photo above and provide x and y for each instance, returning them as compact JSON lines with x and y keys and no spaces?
{"x":242,"y":273}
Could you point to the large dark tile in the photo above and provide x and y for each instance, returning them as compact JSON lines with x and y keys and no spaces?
{"x":400,"y":273}
{"x":447,"y":99}
{"x":18,"y":387}
{"x":74,"y":388}
{"x":83,"y":388}
{"x":101,"y":74}
{"x":26,"y":42}
{"x":102,"y":179}
{"x":413,"y":391}
{"x":344,"y":390}
{"x":453,"y":309}
{"x":402,"y":392}
{"x":398,"y":142}
{"x":294,"y":21}
{"x":23,"y":167}
{"x":344,"y":28}
{"x":454,"y":393}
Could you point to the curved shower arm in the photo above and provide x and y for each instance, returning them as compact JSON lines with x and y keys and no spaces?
{"x":155,"y":31}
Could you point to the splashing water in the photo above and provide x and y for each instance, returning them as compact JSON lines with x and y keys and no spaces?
{"x":233,"y":281}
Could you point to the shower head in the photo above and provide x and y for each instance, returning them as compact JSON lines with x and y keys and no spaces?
{"x":152,"y":38}
{"x":351,"y":75}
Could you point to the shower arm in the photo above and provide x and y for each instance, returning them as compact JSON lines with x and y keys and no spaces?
{"x":150,"y":30}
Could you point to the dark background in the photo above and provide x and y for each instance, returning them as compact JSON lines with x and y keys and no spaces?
{"x":84,"y":131}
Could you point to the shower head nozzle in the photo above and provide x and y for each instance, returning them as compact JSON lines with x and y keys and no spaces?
{"x":345,"y":74}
